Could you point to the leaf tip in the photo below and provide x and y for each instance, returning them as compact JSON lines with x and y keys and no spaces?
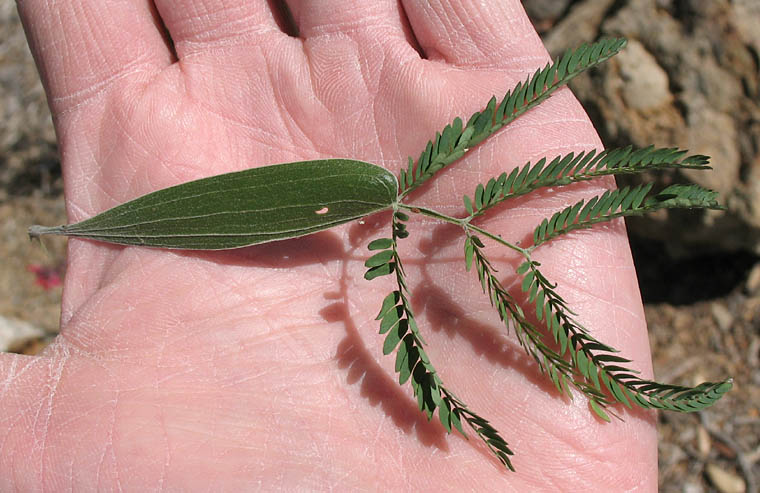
{"x":35,"y":231}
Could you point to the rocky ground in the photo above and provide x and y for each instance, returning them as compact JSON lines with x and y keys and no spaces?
{"x":689,"y":78}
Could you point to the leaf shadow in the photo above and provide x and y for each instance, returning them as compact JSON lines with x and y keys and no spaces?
{"x":380,"y":387}
{"x":359,"y":232}
{"x":445,"y":315}
{"x":323,"y":246}
{"x":376,"y":385}
{"x":445,"y":234}
{"x":486,"y":340}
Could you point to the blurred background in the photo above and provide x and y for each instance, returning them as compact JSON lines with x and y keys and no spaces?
{"x":690,"y":77}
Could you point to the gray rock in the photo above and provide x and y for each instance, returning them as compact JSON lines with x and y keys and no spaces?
{"x":14,"y":334}
{"x":744,"y":17}
{"x":27,"y":137}
{"x":645,"y":83}
{"x":713,"y":133}
{"x":545,"y":10}
{"x":580,"y":25}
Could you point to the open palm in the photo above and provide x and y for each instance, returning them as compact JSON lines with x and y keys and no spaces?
{"x":262,"y":367}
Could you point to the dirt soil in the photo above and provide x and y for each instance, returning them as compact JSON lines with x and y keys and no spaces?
{"x":702,"y":301}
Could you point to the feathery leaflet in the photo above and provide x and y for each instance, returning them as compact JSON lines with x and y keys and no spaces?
{"x":412,"y":363}
{"x":457,"y":138}
{"x":573,"y":168}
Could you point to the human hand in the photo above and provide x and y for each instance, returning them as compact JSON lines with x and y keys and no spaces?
{"x":262,"y":367}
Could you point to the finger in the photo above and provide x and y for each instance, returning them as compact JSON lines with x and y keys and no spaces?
{"x":378,"y":20}
{"x":474,"y":33}
{"x":200,"y":25}
{"x":84,"y":46}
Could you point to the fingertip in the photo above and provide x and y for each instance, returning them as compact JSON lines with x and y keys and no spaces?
{"x":81,"y":47}
{"x":473,"y":33}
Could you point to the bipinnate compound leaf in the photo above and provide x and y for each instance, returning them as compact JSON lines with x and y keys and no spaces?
{"x":244,"y":208}
{"x":295,"y":199}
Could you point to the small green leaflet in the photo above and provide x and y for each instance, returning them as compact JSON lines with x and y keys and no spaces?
{"x":243,"y":208}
